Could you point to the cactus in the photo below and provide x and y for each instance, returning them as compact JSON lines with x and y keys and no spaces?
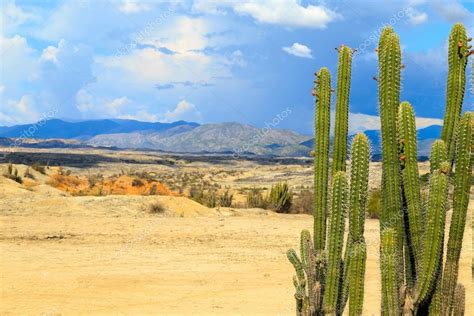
{"x":321,"y":159}
{"x":411,"y":185}
{"x":324,"y":282}
{"x":342,"y":109}
{"x":457,"y":59}
{"x":421,"y":285}
{"x":433,"y":239}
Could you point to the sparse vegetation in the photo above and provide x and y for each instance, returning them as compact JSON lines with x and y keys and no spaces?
{"x":303,"y":203}
{"x":255,"y":199}
{"x":156,"y":208}
{"x":12,"y":174}
{"x":225,"y":199}
{"x":28,"y":174}
{"x":39,"y":168}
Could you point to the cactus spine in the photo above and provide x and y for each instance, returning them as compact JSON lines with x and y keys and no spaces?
{"x":320,"y":270}
{"x":321,"y":160}
{"x":342,"y":109}
{"x":389,"y":261}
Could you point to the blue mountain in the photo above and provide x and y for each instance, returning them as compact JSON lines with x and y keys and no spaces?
{"x":423,"y":134}
{"x":84,"y":130}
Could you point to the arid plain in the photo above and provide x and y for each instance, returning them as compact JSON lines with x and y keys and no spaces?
{"x":65,"y":251}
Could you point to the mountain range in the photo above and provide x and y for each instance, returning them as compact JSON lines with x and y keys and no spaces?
{"x":184,"y":136}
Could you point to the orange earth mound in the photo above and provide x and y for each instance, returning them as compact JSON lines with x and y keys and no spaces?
{"x":122,"y":185}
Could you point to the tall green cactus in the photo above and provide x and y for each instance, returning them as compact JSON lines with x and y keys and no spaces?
{"x":424,"y":286}
{"x":434,"y":236}
{"x":321,"y":160}
{"x":320,"y":270}
{"x":411,"y":184}
{"x":457,"y":59}
{"x":342,"y":109}
{"x":389,"y":96}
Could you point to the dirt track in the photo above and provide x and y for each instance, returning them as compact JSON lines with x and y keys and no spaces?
{"x":124,"y":265}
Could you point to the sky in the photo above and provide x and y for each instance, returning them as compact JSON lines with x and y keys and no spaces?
{"x":216,"y":61}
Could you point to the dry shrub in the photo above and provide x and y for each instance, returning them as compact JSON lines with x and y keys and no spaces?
{"x":303,"y":203}
{"x":156,"y":208}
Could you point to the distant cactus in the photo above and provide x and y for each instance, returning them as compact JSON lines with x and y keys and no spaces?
{"x":225,"y":199}
{"x":280,"y":197}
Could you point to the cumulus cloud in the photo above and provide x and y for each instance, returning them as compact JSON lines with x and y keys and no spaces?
{"x":415,"y":17}
{"x":183,"y":111}
{"x":50,"y":53}
{"x":13,"y":15}
{"x":289,"y":13}
{"x":298,"y":50}
{"x":19,"y":111}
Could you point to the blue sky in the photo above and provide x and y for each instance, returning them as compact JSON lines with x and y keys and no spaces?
{"x":215,"y":61}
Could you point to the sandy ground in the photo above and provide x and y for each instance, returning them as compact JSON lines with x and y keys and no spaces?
{"x":64,"y":255}
{"x":123,"y":264}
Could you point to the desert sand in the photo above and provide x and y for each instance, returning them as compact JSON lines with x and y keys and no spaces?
{"x":122,"y":261}
{"x":108,"y":255}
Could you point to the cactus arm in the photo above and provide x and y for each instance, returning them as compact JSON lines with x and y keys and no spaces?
{"x":390,"y":272}
{"x":335,"y":241}
{"x":389,"y":94}
{"x":357,"y":274}
{"x":321,"y":160}
{"x":342,"y":110}
{"x":410,"y":176}
{"x":360,"y":157}
{"x":461,"y":196}
{"x":457,"y":61}
{"x":439,"y":154}
{"x":434,"y":236}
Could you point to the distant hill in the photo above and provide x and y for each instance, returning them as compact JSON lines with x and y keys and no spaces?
{"x":84,"y":130}
{"x":223,"y":137}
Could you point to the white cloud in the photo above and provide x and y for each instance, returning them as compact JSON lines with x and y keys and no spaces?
{"x":19,"y":111}
{"x":116,"y":104}
{"x":13,"y":15}
{"x":298,"y":50}
{"x":18,"y":60}
{"x":133,"y":6}
{"x":141,"y":115}
{"x":50,"y":53}
{"x":183,"y":111}
{"x":415,"y":17}
{"x":288,"y":13}
{"x":452,"y":11}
